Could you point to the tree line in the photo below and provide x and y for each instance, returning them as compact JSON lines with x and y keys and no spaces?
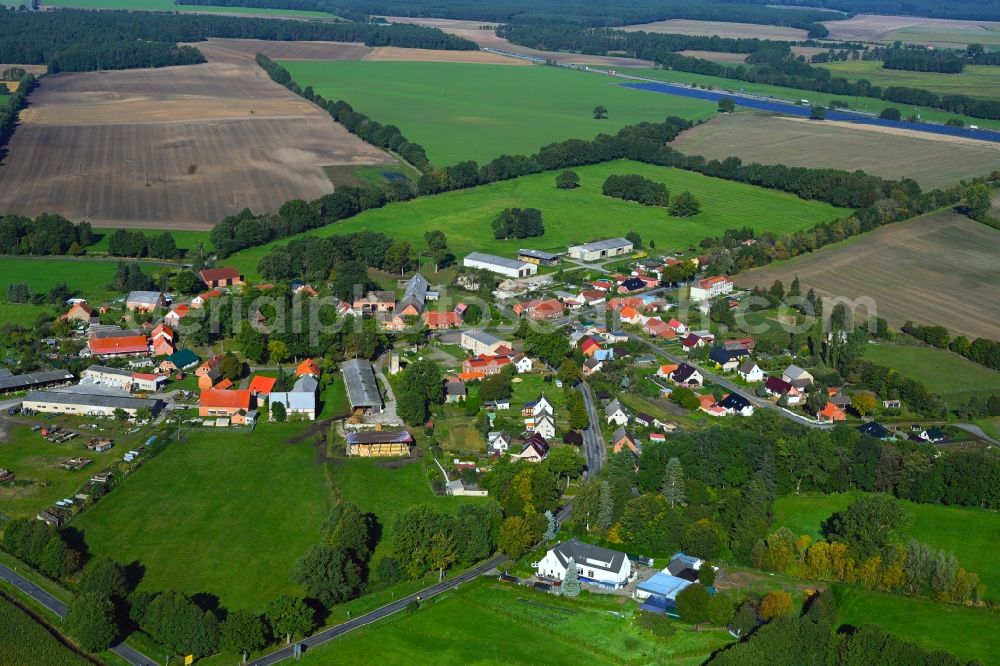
{"x":917,"y":59}
{"x":388,"y":137}
{"x":981,"y":350}
{"x":79,"y":40}
{"x":45,"y":234}
{"x":10,"y":111}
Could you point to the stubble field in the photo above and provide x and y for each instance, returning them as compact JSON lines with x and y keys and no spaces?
{"x":937,"y":269}
{"x":951,"y":32}
{"x":720,"y":28}
{"x":751,"y":137}
{"x":178,"y":147}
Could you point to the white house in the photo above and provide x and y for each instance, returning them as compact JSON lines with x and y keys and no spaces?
{"x":500,"y":265}
{"x":687,"y":375}
{"x":616,"y":413}
{"x":497,"y":441}
{"x":736,"y":405}
{"x":595,"y":565}
{"x":541,"y":405}
{"x":711,"y":287}
{"x":612,"y":247}
{"x":545,"y":425}
{"x":300,"y":402}
{"x":797,"y":377}
{"x":523,"y":363}
{"x":750,"y":371}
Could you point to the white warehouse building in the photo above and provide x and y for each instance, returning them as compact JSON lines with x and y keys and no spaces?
{"x":494,"y":264}
{"x":612,"y":247}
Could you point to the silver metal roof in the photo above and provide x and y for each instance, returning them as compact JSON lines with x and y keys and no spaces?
{"x":9,"y":382}
{"x":89,"y":400}
{"x":495,"y":260}
{"x":359,"y":378}
{"x":603,"y":244}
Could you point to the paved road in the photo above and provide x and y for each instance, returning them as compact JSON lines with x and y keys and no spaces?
{"x":57,"y":607}
{"x":977,"y":431}
{"x":732,"y":386}
{"x":594,"y":447}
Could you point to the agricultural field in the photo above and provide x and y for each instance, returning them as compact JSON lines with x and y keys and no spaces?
{"x":967,"y":532}
{"x":23,"y":314}
{"x":579,"y":215}
{"x":88,"y":276}
{"x":951,"y":376}
{"x":876,"y":150}
{"x":177,"y":147}
{"x":396,"y":53}
{"x":524,"y":627}
{"x":169,"y":6}
{"x":192,"y":515}
{"x":717,"y":56}
{"x":460,"y":111}
{"x":244,"y":51}
{"x":936,"y":269}
{"x":23,"y":640}
{"x":975,"y":80}
{"x":721,"y":29}
{"x":865,"y":104}
{"x":949,"y":33}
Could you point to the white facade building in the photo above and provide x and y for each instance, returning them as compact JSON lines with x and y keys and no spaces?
{"x":612,"y":247}
{"x":500,"y":265}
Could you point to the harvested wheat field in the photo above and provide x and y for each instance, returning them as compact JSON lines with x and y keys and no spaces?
{"x":930,"y":159}
{"x":395,"y":53}
{"x":716,"y":56}
{"x":239,"y":51}
{"x":178,"y":147}
{"x":937,"y":269}
{"x":874,"y":28}
{"x":720,"y":28}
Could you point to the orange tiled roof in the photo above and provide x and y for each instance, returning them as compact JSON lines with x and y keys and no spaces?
{"x":307,"y":367}
{"x":225,"y":399}
{"x":261,"y":384}
{"x":127,"y":344}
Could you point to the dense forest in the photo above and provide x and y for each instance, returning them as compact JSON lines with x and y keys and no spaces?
{"x":923,"y":60}
{"x":75,"y":40}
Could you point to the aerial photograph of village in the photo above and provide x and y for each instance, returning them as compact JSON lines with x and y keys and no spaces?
{"x":525,"y":332}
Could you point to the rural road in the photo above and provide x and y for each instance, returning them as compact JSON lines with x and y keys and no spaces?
{"x":593,"y":440}
{"x":129,"y":654}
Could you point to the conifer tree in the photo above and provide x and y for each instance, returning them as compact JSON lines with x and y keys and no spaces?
{"x":571,"y":581}
{"x":673,"y":483}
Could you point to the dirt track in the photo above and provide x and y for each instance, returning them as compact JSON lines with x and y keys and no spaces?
{"x":178,"y":147}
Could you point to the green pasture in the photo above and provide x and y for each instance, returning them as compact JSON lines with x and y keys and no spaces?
{"x":975,"y":80}
{"x":951,"y":376}
{"x":579,"y":215}
{"x":953,"y":37}
{"x":89,"y":277}
{"x":967,"y":532}
{"x":486,"y":623}
{"x":24,"y":315}
{"x":867,"y":104}
{"x":25,"y":641}
{"x":459,"y":111}
{"x":169,"y":6}
{"x":223,"y":513}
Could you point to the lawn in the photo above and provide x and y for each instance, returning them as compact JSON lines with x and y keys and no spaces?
{"x":89,"y":277}
{"x":969,"y":533}
{"x":459,"y":111}
{"x":951,"y":376}
{"x":39,"y":481}
{"x":485,"y":623}
{"x":222,"y":513}
{"x":25,"y":641}
{"x":969,"y":633}
{"x":23,"y":315}
{"x":579,"y":215}
{"x":868,"y":104}
{"x":975,"y":80}
{"x":169,"y":6}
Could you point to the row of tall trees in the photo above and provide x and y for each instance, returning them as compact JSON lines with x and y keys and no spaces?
{"x":632,"y":187}
{"x":45,"y":234}
{"x":981,"y":350}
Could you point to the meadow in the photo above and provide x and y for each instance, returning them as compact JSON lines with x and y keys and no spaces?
{"x":486,"y":623}
{"x":87,"y":276}
{"x":460,"y":111}
{"x":951,"y":376}
{"x":579,"y":215}
{"x":867,"y":104}
{"x":975,"y":80}
{"x":169,"y":6}
{"x":23,"y":640}
{"x":221,"y":513}
{"x":967,"y":532}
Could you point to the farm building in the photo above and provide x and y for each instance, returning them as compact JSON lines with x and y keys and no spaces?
{"x":375,"y":301}
{"x":481,"y":342}
{"x":125,"y":380}
{"x":500,"y":265}
{"x":217,"y":402}
{"x":612,"y":247}
{"x":379,"y":443}
{"x":538,"y":257}
{"x":85,"y":404}
{"x":118,"y":345}
{"x":145,"y":301}
{"x":300,"y":402}
{"x":362,"y":388}
{"x":220,"y":277}
{"x":414,"y":296}
{"x":10,"y":382}
{"x":595,"y":565}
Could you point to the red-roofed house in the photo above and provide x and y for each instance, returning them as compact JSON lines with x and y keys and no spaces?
{"x":677,"y":326}
{"x":488,"y":365}
{"x":629,"y":315}
{"x":220,"y":277}
{"x":79,"y":312}
{"x":473,"y":376}
{"x":213,"y":402}
{"x":199,"y":301}
{"x":162,"y":347}
{"x":308,"y":367}
{"x":603,"y":285}
{"x":178,"y":312}
{"x":539,"y":309}
{"x":119,"y":346}
{"x":831,"y":413}
{"x":208,"y":372}
{"x":440,"y":320}
{"x":666,"y":370}
{"x":589,"y":345}
{"x":144,"y":381}
{"x":261,"y":385}
{"x":224,"y":385}
{"x":162,"y":331}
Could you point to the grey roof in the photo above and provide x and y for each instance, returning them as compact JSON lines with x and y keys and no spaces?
{"x":619,"y":434}
{"x":110,"y":371}
{"x":589,"y":555}
{"x":483,"y":337}
{"x":593,"y":362}
{"x":90,"y":400}
{"x":144,"y":296}
{"x":606,"y":244}
{"x":379,"y":437}
{"x":294,"y":400}
{"x":795,"y":372}
{"x":538,"y":254}
{"x":455,"y":387}
{"x":495,"y":260}
{"x":362,"y":389}
{"x":415,"y":292}
{"x":613,"y":407}
{"x":747,"y":366}
{"x":306,"y":384}
{"x":9,"y":382}
{"x":101,"y":332}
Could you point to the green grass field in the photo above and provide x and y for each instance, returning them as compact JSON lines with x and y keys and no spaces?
{"x":578,"y":215}
{"x":949,"y":375}
{"x":952,"y":37}
{"x":462,"y":111}
{"x":222,"y":513}
{"x":969,"y":533}
{"x":868,"y":104}
{"x":169,"y":6}
{"x":25,"y":641}
{"x":969,"y":633}
{"x":89,"y":277}
{"x":485,"y":623}
{"x":976,"y":80}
